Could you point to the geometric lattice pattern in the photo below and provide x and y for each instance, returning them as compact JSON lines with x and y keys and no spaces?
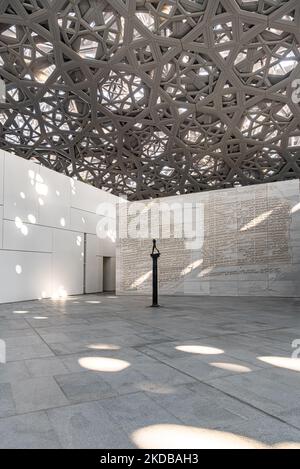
{"x":153,"y":98}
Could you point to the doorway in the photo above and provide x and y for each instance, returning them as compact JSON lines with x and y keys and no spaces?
{"x":109,"y":274}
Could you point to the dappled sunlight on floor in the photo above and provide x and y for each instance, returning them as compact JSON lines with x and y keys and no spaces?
{"x":107,"y":365}
{"x":232,"y":367}
{"x":292,"y":364}
{"x":102,"y":371}
{"x":201,"y":350}
{"x":287,"y":445}
{"x":181,"y":436}
{"x":104,"y":347}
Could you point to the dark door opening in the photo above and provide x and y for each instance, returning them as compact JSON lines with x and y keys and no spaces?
{"x":109,"y":274}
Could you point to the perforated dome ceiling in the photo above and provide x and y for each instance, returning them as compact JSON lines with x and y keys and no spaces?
{"x":153,"y":98}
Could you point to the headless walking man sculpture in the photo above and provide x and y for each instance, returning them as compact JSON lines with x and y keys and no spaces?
{"x":155,"y":255}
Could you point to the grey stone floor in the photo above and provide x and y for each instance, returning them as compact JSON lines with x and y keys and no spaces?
{"x":109,"y":372}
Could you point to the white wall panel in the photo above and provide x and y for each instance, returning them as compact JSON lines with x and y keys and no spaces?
{"x":68,"y":256}
{"x":26,"y":237}
{"x":21,"y":188}
{"x":54,"y":206}
{"x":106,"y":246}
{"x":94,"y":266}
{"x":85,"y":222}
{"x":105,"y":228}
{"x":1,"y":226}
{"x":91,"y":199}
{"x":106,"y":233}
{"x":1,"y":175}
{"x":41,"y":241}
{"x":24,"y":276}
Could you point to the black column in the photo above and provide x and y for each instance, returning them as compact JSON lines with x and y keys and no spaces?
{"x":155,"y":280}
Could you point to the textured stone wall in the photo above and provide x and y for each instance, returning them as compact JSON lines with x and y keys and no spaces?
{"x":248,"y":244}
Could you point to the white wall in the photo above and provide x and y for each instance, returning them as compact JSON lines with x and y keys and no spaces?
{"x":43,"y":218}
{"x":94,"y":265}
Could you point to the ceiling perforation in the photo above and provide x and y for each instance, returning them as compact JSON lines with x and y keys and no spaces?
{"x":153,"y":97}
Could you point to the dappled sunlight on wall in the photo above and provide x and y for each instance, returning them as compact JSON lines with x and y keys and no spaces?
{"x":142,"y":279}
{"x":295,"y":209}
{"x":257,"y":221}
{"x":194,"y":265}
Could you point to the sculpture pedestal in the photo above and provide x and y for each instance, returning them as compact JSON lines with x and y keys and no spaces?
{"x":155,"y":280}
